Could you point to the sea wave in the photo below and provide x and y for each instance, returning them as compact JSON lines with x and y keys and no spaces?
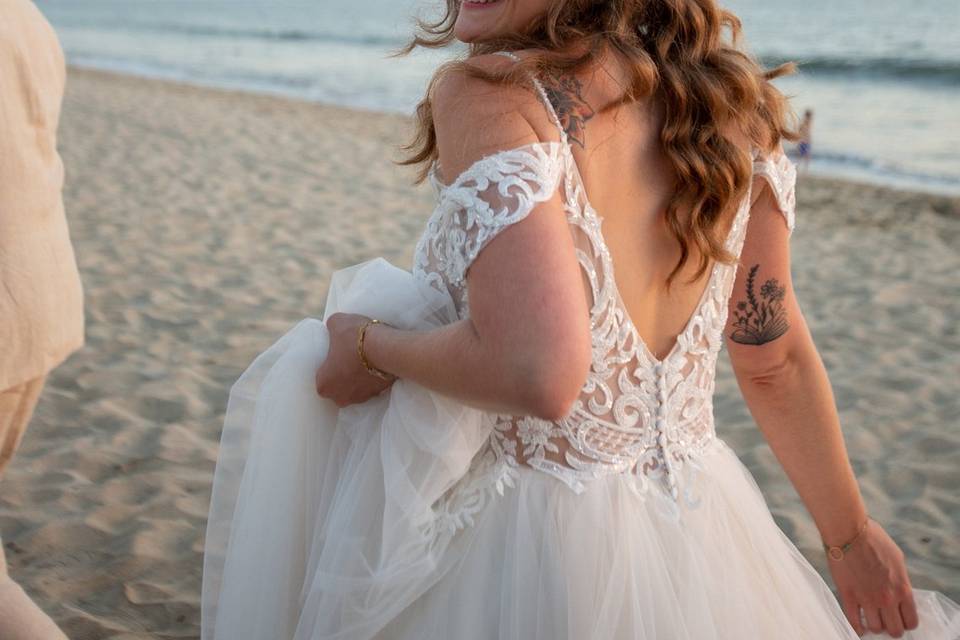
{"x":852,"y":165}
{"x":917,"y":69}
{"x":908,"y":69}
{"x":265,"y":33}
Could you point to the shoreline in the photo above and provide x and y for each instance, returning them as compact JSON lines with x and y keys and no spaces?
{"x":207,"y":222}
{"x":223,"y":87}
{"x":292,"y":96}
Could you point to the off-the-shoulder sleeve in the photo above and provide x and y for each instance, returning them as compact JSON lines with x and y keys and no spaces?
{"x":781,"y":173}
{"x":490,"y":195}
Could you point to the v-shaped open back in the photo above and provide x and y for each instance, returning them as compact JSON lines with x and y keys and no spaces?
{"x":577,"y":176}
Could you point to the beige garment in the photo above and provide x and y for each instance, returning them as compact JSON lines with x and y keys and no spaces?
{"x":41,"y":298}
{"x":16,"y":407}
{"x":20,"y":617}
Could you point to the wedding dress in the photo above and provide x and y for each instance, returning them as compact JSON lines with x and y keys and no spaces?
{"x":414,"y":516}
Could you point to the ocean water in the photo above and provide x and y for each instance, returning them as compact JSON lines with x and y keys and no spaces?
{"x":882,"y":76}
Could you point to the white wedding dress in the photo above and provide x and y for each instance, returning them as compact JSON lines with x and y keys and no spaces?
{"x":414,"y":516}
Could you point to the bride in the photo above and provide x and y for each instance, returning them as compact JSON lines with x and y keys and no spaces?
{"x":515,"y":439}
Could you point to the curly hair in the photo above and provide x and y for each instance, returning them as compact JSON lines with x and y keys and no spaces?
{"x":676,"y":51}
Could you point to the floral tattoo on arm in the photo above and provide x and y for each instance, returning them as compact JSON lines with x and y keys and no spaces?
{"x":564,"y":93}
{"x":760,"y":320}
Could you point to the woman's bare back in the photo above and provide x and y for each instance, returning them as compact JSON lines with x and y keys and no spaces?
{"x":629,"y":182}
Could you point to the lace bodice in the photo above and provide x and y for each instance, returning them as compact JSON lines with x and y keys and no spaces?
{"x":636,"y":415}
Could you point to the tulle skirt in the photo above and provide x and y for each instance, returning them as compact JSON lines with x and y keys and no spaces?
{"x":546,"y":563}
{"x":322,"y":523}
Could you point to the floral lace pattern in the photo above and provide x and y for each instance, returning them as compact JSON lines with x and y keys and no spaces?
{"x":490,"y":195}
{"x":781,"y":173}
{"x":645,"y":418}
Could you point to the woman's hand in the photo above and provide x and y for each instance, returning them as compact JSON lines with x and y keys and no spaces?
{"x":872,"y":575}
{"x":342,"y":377}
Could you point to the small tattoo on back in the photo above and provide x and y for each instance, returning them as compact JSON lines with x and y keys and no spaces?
{"x":760,"y":320}
{"x":564,"y":93}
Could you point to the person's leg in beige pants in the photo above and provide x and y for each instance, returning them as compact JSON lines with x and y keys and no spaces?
{"x":20,"y":617}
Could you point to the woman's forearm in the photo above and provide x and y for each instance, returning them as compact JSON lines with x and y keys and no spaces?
{"x":453,"y":360}
{"x":795,"y":409}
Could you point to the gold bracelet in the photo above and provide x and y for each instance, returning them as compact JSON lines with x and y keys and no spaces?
{"x":383,"y":375}
{"x":836,"y":552}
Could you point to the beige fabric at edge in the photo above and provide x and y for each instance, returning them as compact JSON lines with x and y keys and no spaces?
{"x":41,"y":298}
{"x":20,"y":617}
{"x":16,"y":408}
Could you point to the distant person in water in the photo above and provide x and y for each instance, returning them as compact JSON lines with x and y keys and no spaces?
{"x":806,"y":139}
{"x":41,"y":298}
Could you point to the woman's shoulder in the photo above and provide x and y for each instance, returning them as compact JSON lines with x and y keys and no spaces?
{"x":498,"y":60}
{"x":459,"y":90}
{"x":473,"y":116}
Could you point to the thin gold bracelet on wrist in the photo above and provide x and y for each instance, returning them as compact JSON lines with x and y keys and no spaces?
{"x":837,"y":552}
{"x":383,"y":375}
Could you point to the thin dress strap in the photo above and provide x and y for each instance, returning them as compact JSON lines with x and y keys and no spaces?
{"x":544,"y":97}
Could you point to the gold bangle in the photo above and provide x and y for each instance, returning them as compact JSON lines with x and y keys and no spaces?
{"x":836,"y":552}
{"x":383,"y":375}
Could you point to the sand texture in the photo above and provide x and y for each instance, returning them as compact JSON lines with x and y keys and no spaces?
{"x":206,"y":223}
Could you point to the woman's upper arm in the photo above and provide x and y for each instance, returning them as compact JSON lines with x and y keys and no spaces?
{"x":524,"y":287}
{"x":526,"y":294}
{"x":765,"y":326}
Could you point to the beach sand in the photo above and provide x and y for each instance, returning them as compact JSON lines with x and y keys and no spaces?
{"x":206,"y":223}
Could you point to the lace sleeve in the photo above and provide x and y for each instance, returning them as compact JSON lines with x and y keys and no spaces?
{"x":490,"y":195}
{"x":781,"y":173}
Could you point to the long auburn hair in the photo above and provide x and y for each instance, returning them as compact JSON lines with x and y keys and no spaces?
{"x":677,"y":51}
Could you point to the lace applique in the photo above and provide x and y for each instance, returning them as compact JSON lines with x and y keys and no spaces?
{"x":781,"y":173}
{"x":535,"y":435}
{"x":491,"y":472}
{"x":493,"y":193}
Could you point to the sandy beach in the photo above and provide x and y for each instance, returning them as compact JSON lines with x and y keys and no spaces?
{"x":206,"y":223}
